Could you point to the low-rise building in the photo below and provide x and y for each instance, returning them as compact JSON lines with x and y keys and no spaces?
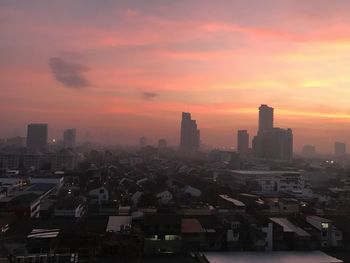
{"x":98,"y":195}
{"x":70,"y":207}
{"x":325,"y":231}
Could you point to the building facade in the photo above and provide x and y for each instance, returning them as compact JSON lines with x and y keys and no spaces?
{"x":272,"y":142}
{"x":37,"y":134}
{"x":242,"y":143}
{"x":69,"y":137}
{"x":190,"y":134}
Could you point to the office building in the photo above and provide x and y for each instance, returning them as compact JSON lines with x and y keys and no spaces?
{"x":275,"y":143}
{"x":242,"y":143}
{"x":69,"y":137}
{"x":265,"y":118}
{"x":190,"y":134}
{"x":37,"y":136}
{"x":339,"y":149}
{"x":271,"y":142}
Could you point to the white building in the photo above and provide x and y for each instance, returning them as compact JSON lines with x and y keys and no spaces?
{"x":270,"y":181}
{"x":98,"y":195}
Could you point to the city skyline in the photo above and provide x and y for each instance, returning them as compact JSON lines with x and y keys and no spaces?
{"x":174,"y":131}
{"x":121,"y":69}
{"x":262,"y":145}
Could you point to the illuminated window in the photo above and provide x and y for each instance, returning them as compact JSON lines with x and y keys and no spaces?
{"x":171,"y":237}
{"x":324,"y":225}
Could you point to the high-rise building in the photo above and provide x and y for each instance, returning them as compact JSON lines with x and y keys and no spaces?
{"x":69,"y":137}
{"x":275,"y":143}
{"x":270,"y":142}
{"x":162,"y":143}
{"x":143,"y":141}
{"x":288,"y":145}
{"x":190,"y":134}
{"x":339,"y":149}
{"x":37,"y":136}
{"x":308,"y":150}
{"x":265,"y":118}
{"x":242,"y":143}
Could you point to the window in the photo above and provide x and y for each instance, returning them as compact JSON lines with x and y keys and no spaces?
{"x":171,"y":237}
{"x":324,"y":225}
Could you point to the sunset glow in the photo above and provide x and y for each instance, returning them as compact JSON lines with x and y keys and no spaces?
{"x":124,"y":69}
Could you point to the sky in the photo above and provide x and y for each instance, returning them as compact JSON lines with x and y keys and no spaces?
{"x":118,"y":70}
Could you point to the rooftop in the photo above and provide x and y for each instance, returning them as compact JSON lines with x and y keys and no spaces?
{"x":271,"y":257}
{"x":289,"y":226}
{"x":115,"y":223}
{"x":233,"y":201}
{"x":40,"y":187}
{"x":320,"y":219}
{"x":191,"y":225}
{"x":253,"y":172}
{"x":44,"y":233}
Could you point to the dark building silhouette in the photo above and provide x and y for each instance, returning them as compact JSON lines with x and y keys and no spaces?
{"x":162,"y":143}
{"x":69,"y":137}
{"x":143,"y":141}
{"x":265,"y":118}
{"x":308,"y":150}
{"x":270,"y":142}
{"x":190,"y":134}
{"x":339,"y":149}
{"x":242,"y":143}
{"x":37,"y":134}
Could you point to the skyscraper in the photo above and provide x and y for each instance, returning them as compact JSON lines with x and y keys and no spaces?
{"x":339,"y":149}
{"x":288,"y":144}
{"x":242,"y":143}
{"x":37,"y":136}
{"x":271,"y":142}
{"x":69,"y":136}
{"x":190,"y":134}
{"x":275,"y":143}
{"x":265,"y":118}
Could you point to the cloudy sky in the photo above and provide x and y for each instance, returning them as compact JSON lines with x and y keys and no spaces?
{"x":118,"y":70}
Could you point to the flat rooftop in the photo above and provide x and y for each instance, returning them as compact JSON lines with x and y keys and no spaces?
{"x":253,"y":172}
{"x":116,"y":222}
{"x":270,"y":257}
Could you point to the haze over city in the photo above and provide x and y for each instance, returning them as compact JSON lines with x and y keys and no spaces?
{"x":118,"y":70}
{"x":188,"y":131}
